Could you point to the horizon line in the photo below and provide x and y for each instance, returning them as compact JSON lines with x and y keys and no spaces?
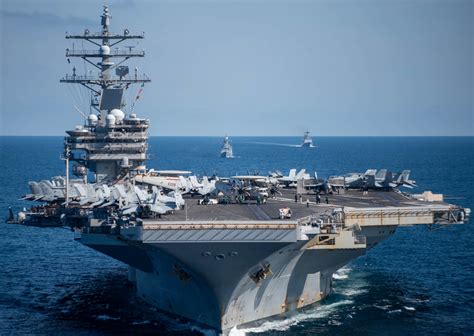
{"x":262,"y":136}
{"x":268,"y":136}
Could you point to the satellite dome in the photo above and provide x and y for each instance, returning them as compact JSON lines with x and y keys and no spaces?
{"x":104,"y":50}
{"x":92,"y":119}
{"x":110,"y":120}
{"x":118,"y":114}
{"x":133,"y":115}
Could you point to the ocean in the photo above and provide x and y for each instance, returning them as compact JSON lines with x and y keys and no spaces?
{"x":418,"y":282}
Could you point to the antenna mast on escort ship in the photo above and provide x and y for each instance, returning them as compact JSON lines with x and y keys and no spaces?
{"x":110,"y":142}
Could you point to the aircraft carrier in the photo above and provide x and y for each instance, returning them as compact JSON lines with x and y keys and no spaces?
{"x":222,"y":252}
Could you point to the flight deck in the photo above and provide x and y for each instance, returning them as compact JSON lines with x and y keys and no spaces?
{"x":305,"y":205}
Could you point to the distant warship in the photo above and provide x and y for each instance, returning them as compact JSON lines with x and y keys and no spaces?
{"x":307,"y":141}
{"x":222,"y":252}
{"x":226,"y":151}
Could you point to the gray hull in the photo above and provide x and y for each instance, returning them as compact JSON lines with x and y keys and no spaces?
{"x":210,"y":282}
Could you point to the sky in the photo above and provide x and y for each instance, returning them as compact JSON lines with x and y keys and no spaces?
{"x":335,"y":68}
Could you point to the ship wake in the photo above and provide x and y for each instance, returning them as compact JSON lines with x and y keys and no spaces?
{"x":273,"y":144}
{"x":319,"y":312}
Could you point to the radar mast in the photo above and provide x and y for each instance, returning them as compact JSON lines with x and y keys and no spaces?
{"x":109,"y":142}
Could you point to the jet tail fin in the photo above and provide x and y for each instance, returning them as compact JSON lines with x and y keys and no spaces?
{"x":404,"y":176}
{"x":300,"y":174}
{"x":292,"y":173}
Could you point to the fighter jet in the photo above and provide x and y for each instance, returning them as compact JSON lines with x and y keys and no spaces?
{"x":140,"y":202}
{"x":373,"y":179}
{"x":167,"y":179}
{"x":192,"y":186}
{"x":257,"y":180}
{"x":291,"y":179}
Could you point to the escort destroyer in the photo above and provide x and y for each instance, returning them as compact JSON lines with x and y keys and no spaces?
{"x":307,"y":141}
{"x":226,"y":150}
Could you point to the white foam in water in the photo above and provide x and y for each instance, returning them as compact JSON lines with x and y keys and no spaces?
{"x":352,"y":291}
{"x":273,"y":144}
{"x":409,"y":308}
{"x":334,"y":322}
{"x":395,"y":311}
{"x":336,"y":276}
{"x":416,"y":300}
{"x":283,"y":325}
{"x":140,"y":322}
{"x":342,"y":273}
{"x":106,"y":317}
{"x":383,"y":307}
{"x":237,"y":332}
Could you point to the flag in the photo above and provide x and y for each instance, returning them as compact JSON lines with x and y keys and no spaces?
{"x":140,"y":91}
{"x":138,"y":94}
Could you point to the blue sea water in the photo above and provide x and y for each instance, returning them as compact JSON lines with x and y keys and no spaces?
{"x":418,"y":282}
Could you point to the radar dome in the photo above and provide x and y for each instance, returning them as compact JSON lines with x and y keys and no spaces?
{"x":110,"y":120}
{"x":92,"y":119}
{"x":118,"y":114}
{"x":105,"y":50}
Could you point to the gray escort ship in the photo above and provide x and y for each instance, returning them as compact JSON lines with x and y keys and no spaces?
{"x":307,"y":141}
{"x":245,"y":248}
{"x":226,"y":150}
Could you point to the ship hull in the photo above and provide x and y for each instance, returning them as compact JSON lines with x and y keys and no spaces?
{"x":211,"y":283}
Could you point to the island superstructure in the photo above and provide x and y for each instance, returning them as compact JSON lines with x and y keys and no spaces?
{"x":222,"y":252}
{"x":110,"y":141}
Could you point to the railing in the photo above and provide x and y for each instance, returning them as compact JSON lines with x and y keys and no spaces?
{"x":110,"y":36}
{"x":428,"y":214}
{"x":112,"y":150}
{"x":141,"y":136}
{"x":223,"y":225}
{"x":92,"y":139}
{"x":116,"y":156}
{"x":85,"y":78}
{"x":98,"y":53}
